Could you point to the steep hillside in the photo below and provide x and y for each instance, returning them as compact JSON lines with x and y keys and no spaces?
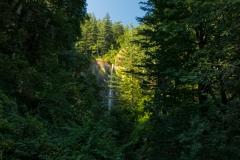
{"x":102,"y":70}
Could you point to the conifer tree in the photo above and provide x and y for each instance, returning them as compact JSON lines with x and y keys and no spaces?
{"x":50,"y":106}
{"x":127,"y":60}
{"x":93,"y":32}
{"x":118,"y":30}
{"x":107,"y":33}
{"x":185,"y":46}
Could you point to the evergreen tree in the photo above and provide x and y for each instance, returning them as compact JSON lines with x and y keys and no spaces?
{"x":99,"y":36}
{"x":127,"y":63}
{"x":184,"y":46}
{"x":118,"y":30}
{"x":87,"y":43}
{"x":93,"y":32}
{"x":107,"y":33}
{"x":129,"y":95}
{"x":50,"y":106}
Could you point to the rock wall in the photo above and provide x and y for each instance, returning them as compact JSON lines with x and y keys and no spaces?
{"x":102,"y":70}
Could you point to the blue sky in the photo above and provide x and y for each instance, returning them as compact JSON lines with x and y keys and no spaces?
{"x":119,"y":10}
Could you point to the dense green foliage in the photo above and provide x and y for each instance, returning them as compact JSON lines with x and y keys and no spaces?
{"x":186,"y":81}
{"x":176,"y":82}
{"x":193,"y":68}
{"x":50,"y":107}
{"x":99,"y":36}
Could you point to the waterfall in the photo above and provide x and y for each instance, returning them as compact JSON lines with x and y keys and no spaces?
{"x":110,"y":93}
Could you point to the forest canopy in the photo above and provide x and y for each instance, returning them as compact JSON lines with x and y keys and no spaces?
{"x":175,"y":82}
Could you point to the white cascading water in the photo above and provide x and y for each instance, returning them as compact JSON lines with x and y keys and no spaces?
{"x":110,"y":93}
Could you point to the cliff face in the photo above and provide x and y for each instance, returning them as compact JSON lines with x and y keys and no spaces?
{"x":102,"y":70}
